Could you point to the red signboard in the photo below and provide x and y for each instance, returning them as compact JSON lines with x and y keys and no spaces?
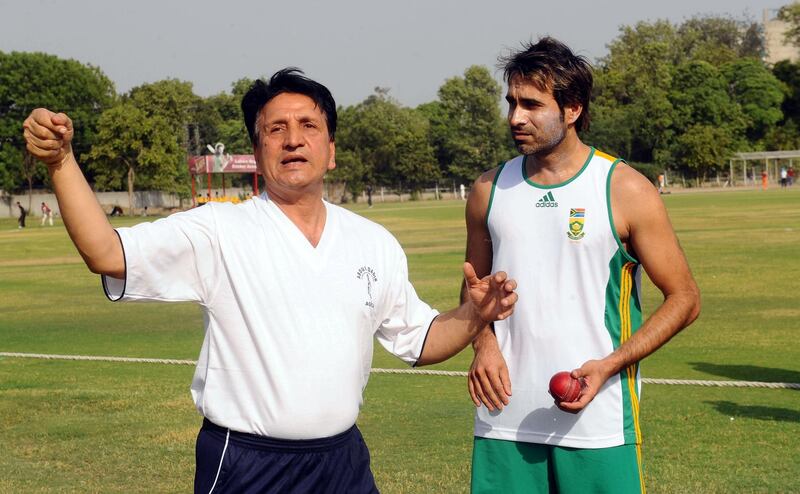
{"x":222,"y":163}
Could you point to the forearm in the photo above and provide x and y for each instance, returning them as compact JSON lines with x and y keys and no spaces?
{"x":85,"y":220}
{"x":675,"y":313}
{"x":450,"y":333}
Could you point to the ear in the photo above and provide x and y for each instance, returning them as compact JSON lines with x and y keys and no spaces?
{"x":332,"y":161}
{"x":572,"y":112}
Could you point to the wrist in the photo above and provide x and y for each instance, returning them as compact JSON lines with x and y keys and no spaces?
{"x":65,"y":158}
{"x":485,"y":337}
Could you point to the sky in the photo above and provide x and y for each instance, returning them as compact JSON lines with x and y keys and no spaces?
{"x":351,"y":46}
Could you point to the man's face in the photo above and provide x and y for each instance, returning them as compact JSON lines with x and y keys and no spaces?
{"x":294,"y":149}
{"x":537,"y":123}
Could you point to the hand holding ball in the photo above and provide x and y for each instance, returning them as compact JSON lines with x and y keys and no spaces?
{"x":564,"y":387}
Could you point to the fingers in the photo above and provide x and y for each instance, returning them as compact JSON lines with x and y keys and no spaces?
{"x":62,"y":122}
{"x":472,"y":392}
{"x":490,"y":387}
{"x":508,"y":302}
{"x":47,"y":135}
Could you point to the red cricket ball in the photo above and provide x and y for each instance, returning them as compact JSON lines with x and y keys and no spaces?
{"x":564,"y":387}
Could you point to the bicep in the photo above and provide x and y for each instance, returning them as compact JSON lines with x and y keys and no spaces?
{"x":654,"y":242}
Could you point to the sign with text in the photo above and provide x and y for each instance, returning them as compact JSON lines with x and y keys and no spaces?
{"x":222,"y":163}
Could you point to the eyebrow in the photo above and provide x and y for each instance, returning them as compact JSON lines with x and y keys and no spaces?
{"x":526,"y":101}
{"x":302,"y":119}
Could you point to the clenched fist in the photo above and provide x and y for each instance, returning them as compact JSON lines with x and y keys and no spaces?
{"x":48,"y":136}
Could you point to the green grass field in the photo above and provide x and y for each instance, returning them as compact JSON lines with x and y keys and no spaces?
{"x":68,"y":426}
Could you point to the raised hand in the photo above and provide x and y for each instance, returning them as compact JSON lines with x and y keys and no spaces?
{"x":492,"y":296}
{"x":48,"y":136}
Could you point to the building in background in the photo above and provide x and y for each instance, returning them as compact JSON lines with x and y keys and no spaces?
{"x":777,"y":48}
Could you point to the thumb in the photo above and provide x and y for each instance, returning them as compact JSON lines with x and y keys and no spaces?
{"x":578,"y":373}
{"x":469,"y":274}
{"x":62,"y":123}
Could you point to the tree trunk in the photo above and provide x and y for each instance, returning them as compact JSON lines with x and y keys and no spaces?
{"x":131,"y":177}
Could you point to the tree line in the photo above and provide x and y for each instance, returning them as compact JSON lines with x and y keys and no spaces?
{"x":680,"y":96}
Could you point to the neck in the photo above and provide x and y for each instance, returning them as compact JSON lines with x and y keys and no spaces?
{"x":558,"y":164}
{"x":305,"y":209}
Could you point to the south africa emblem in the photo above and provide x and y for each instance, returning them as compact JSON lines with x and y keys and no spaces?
{"x":576,"y":217}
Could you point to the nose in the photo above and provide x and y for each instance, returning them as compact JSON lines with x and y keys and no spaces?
{"x":515,"y":117}
{"x":294,"y":137}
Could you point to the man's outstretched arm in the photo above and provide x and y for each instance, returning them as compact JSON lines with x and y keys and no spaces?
{"x":49,"y":138}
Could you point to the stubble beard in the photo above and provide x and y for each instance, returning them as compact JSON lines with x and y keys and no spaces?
{"x":548,"y":139}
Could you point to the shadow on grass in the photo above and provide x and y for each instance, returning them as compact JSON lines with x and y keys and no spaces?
{"x":772,"y":414}
{"x":748,"y":372}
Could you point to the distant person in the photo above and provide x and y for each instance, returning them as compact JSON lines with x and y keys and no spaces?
{"x":577,"y":227}
{"x":294,"y":289}
{"x":116,"y":211}
{"x":784,"y":177}
{"x":661,"y":183}
{"x":369,"y":195}
{"x":790,"y":175}
{"x":764,"y":179}
{"x":462,"y":191}
{"x":22,"y":214}
{"x":47,"y":214}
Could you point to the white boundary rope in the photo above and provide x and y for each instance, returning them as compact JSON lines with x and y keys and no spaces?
{"x":427,"y":372}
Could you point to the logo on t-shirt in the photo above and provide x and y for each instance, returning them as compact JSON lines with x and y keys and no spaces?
{"x":368,"y":274}
{"x":547,"y":201}
{"x":576,"y":218}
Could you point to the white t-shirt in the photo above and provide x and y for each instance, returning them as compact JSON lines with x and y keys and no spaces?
{"x":289,"y":327}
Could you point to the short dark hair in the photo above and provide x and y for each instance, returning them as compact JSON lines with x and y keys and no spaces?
{"x":550,"y":64}
{"x":288,"y":80}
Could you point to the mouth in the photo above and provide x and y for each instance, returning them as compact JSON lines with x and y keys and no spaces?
{"x":294,"y":159}
{"x":519,"y":134}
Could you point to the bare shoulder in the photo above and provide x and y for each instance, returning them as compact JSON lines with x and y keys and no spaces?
{"x":485,"y":180}
{"x":478,"y":200}
{"x":630,"y":184}
{"x":634,"y":201}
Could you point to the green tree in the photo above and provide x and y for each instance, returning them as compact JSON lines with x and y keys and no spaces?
{"x":661,"y":85}
{"x":390,"y":141}
{"x":351,"y":172}
{"x":709,"y":124}
{"x":789,"y":74}
{"x":719,"y":39}
{"x":171,"y":106}
{"x":171,"y":99}
{"x":137,"y":150}
{"x":632,"y":111}
{"x":228,"y":123}
{"x":32,"y":80}
{"x":702,"y":148}
{"x":757,"y":92}
{"x":467,"y":130}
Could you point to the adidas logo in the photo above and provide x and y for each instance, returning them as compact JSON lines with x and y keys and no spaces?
{"x":547,"y":201}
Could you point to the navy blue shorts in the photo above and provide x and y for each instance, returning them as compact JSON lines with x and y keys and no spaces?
{"x":230,"y":461}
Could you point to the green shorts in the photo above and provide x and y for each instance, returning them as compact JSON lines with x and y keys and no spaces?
{"x":510,"y":467}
